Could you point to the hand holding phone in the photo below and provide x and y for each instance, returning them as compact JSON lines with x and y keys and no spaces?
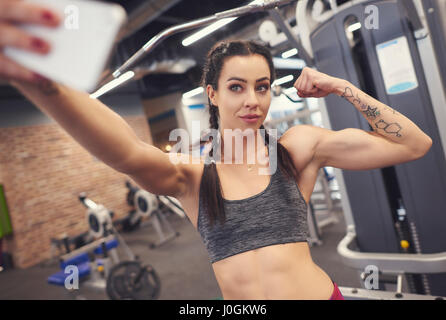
{"x":12,"y":13}
{"x":75,"y":49}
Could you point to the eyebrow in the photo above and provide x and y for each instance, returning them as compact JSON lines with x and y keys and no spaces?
{"x":243,"y":80}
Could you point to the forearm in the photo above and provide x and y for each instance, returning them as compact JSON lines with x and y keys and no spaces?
{"x":92,"y":124}
{"x":384,"y":120}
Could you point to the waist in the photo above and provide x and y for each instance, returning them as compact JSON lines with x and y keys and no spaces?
{"x":282,"y":272}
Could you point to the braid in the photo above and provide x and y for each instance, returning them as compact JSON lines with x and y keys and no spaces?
{"x":213,"y":122}
{"x":213,"y":119}
{"x":266,"y":134}
{"x":212,"y":183}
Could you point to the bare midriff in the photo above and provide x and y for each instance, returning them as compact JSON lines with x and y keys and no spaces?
{"x":277,"y":272}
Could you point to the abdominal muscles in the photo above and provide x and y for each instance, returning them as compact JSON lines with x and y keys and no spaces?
{"x":284,"y":271}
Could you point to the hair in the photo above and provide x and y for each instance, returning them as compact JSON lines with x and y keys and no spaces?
{"x":210,"y":186}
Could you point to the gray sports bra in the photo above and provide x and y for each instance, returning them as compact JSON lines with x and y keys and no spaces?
{"x":276,"y":215}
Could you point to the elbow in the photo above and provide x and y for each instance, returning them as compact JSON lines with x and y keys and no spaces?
{"x":424,"y":148}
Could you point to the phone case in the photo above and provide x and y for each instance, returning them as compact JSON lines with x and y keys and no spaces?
{"x":80,"y":46}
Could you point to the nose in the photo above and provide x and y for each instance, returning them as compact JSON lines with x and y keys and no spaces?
{"x":252,"y":100}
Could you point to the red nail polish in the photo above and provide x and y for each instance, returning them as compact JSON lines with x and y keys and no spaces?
{"x":38,"y":44}
{"x":48,"y":16}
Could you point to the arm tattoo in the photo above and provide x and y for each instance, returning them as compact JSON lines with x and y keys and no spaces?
{"x":348,"y":93}
{"x":391,"y":128}
{"x":48,"y":87}
{"x":371,"y":112}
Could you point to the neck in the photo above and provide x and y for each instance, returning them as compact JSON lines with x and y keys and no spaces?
{"x":248,"y":149}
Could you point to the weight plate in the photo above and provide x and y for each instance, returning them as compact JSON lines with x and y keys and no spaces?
{"x":128,"y":280}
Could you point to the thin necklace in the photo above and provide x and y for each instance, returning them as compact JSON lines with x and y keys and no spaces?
{"x":250,"y":167}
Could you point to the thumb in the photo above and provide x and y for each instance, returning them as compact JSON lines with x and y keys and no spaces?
{"x":315,"y":86}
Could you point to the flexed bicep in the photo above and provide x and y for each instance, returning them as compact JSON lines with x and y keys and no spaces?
{"x":355,"y":149}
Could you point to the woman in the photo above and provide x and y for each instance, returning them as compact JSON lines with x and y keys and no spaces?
{"x":252,"y":224}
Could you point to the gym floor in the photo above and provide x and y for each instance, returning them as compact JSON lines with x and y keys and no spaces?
{"x":182,"y":264}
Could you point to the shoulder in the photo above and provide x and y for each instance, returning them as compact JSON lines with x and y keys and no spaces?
{"x":300,"y":136}
{"x":301,"y":141}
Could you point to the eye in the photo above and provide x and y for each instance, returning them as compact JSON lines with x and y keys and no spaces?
{"x":264,"y":87}
{"x":234,"y":86}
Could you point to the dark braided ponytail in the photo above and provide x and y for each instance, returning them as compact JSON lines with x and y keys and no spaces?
{"x":210,"y":183}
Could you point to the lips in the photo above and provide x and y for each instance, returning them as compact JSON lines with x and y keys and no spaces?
{"x":250,"y":116}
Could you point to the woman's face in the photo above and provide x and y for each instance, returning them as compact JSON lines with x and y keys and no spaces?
{"x":243,"y":89}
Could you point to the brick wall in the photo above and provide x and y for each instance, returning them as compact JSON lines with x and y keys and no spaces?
{"x":43,"y":170}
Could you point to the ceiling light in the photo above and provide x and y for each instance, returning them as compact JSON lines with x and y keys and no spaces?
{"x":283,"y":80}
{"x":297,"y":64}
{"x":193,"y":93}
{"x":289,"y":53}
{"x":113,"y":84}
{"x":211,"y":28}
{"x":205,"y":31}
{"x":354,"y":27}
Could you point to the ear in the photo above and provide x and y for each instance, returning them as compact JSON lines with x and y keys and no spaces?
{"x":212,"y":94}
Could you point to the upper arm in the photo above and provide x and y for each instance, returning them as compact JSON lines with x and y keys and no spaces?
{"x":355,"y":149}
{"x":300,"y":141}
{"x":153,"y":170}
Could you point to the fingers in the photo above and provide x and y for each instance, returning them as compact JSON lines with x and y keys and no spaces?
{"x":14,"y":37}
{"x":312,"y":84}
{"x":318,"y":94}
{"x":12,"y":13}
{"x":10,"y":70}
{"x":305,"y":86}
{"x":23,"y":12}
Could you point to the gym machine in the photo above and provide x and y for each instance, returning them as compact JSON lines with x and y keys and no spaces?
{"x":394,"y":215}
{"x":98,"y":266}
{"x":236,"y":12}
{"x":153,"y":209}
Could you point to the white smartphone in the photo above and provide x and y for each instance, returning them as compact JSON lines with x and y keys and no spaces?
{"x":80,"y":47}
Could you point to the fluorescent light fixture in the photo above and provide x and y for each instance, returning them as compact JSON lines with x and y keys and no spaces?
{"x":193,"y":93}
{"x":113,"y":84}
{"x":289,"y":53}
{"x":354,"y":27}
{"x":211,"y":28}
{"x":205,"y":31}
{"x":294,"y":64}
{"x":283,"y":80}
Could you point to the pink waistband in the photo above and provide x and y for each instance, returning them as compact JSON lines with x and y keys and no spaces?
{"x":336,"y":295}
